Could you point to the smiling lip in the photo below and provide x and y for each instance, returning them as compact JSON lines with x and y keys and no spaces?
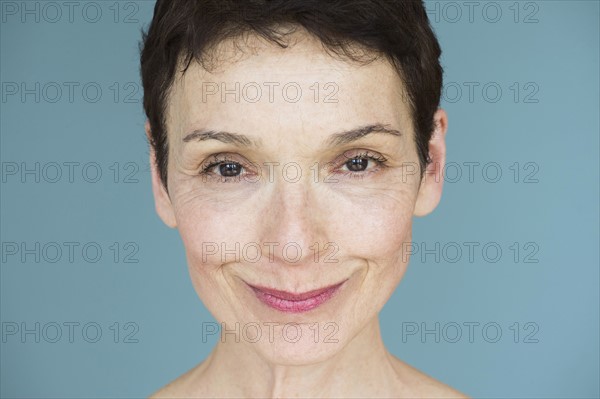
{"x":295,"y":303}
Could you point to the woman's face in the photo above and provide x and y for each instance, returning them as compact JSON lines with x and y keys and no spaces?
{"x":292,"y":170}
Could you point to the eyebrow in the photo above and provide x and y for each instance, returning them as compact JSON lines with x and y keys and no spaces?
{"x":224,"y":137}
{"x":335,"y":139}
{"x":360,"y":132}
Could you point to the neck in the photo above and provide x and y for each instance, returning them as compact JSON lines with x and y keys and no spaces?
{"x":363,"y":367}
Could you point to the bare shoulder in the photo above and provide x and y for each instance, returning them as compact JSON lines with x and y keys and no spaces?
{"x":180,"y":387}
{"x":424,"y":386}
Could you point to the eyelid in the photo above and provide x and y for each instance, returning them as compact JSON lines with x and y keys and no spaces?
{"x":360,"y":153}
{"x":215,"y":159}
{"x":340,"y":162}
{"x":222,"y":158}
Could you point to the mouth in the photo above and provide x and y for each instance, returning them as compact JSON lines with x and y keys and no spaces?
{"x":295,"y":303}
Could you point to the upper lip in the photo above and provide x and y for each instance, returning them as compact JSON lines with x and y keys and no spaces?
{"x":290,"y":296}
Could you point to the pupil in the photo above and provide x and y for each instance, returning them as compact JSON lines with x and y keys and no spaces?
{"x":357,"y":164}
{"x":229,"y":169}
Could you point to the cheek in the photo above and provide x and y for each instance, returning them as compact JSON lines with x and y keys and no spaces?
{"x":203,"y":230}
{"x":373,"y":225}
{"x":204,"y":233}
{"x":213,"y":230}
{"x":376,"y":227}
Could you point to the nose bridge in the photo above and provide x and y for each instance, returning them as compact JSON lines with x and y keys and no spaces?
{"x":292,"y":220}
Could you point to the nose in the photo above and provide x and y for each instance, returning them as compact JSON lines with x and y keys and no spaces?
{"x":294,"y":222}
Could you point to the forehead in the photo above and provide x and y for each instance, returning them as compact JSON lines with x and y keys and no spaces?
{"x":258,"y":86}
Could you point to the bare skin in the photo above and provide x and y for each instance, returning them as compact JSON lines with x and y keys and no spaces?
{"x":379,"y":374}
{"x":365,"y":214}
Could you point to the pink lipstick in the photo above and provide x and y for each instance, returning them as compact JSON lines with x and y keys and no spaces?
{"x":295,"y":303}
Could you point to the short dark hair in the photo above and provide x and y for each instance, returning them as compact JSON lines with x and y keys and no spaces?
{"x":186,"y":30}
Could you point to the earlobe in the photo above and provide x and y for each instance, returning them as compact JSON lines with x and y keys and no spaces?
{"x":162,"y":202}
{"x":430,"y":191}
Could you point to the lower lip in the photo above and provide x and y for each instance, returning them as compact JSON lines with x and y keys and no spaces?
{"x":293,"y":306}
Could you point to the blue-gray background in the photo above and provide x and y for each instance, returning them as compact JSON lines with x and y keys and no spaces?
{"x":71,"y":103}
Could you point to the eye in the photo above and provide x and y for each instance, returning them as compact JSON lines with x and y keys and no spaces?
{"x":363,"y":163}
{"x":230,"y":169}
{"x":357,"y":164}
{"x":223,"y":168}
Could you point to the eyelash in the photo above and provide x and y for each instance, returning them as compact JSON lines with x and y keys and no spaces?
{"x":219,"y":159}
{"x":379,"y":160}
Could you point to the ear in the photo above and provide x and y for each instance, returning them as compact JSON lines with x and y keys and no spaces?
{"x":162,"y":202}
{"x":430,"y":191}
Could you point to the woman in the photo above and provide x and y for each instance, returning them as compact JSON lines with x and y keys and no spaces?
{"x":292,"y":142}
